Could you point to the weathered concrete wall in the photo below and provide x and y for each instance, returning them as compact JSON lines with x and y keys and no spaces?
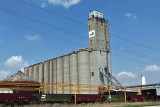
{"x":26,"y":71}
{"x":41,"y":72}
{"x":36,"y":72}
{"x":74,"y":70}
{"x":59,"y":73}
{"x":55,"y":75}
{"x":84,"y":69}
{"x":46,"y":76}
{"x":66,"y":70}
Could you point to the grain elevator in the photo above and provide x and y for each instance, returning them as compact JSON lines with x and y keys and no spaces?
{"x":84,"y":66}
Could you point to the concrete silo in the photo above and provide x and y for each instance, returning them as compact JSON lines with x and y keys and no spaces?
{"x":73,"y":70}
{"x":36,"y":73}
{"x":41,"y":72}
{"x":66,"y":73}
{"x":55,"y":76}
{"x":59,"y":72}
{"x":46,"y":76}
{"x":26,"y":71}
{"x":51,"y":75}
{"x":84,"y":69}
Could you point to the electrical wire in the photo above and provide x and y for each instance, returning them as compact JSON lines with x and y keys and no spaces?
{"x":67,"y":31}
{"x":55,"y":37}
{"x":69,"y":42}
{"x":87,"y":25}
{"x":40,"y":22}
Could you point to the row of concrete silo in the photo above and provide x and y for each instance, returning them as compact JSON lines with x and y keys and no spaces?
{"x":72,"y":68}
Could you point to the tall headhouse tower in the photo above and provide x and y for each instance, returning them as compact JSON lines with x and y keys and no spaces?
{"x":98,"y":33}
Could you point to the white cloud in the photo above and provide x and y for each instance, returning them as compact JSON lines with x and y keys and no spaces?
{"x":33,"y":38}
{"x":16,"y":62}
{"x":130,"y":15}
{"x":4,"y":74}
{"x":43,"y":5}
{"x":2,"y":29}
{"x":65,"y":3}
{"x":126,"y":75}
{"x":152,"y":68}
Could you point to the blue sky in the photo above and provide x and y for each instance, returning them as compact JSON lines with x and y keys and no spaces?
{"x":30,"y":35}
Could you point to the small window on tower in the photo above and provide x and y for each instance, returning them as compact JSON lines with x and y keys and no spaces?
{"x":89,"y":27}
{"x":92,"y":73}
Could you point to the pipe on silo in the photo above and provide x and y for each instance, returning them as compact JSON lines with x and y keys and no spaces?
{"x":66,"y":73}
{"x":84,"y":69}
{"x":73,"y":70}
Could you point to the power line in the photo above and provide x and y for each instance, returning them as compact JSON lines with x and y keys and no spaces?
{"x":52,"y":12}
{"x":133,"y":42}
{"x":69,"y":42}
{"x":56,"y":37}
{"x":62,"y":29}
{"x":40,"y":22}
{"x":133,"y":34}
{"x":136,"y":43}
{"x":64,"y":40}
{"x":134,"y":53}
{"x":124,"y":58}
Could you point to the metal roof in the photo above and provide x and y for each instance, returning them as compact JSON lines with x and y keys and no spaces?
{"x":18,"y":77}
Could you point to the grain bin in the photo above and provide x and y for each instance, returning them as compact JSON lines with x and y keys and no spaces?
{"x":73,"y":70}
{"x":41,"y":72}
{"x":84,"y":69}
{"x":36,"y":73}
{"x":55,"y":75}
{"x":66,"y":73}
{"x":59,"y":72}
{"x":46,"y":76}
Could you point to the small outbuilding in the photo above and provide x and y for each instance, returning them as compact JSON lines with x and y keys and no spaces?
{"x":19,"y":83}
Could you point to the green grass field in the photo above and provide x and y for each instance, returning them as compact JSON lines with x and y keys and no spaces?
{"x":142,"y":105}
